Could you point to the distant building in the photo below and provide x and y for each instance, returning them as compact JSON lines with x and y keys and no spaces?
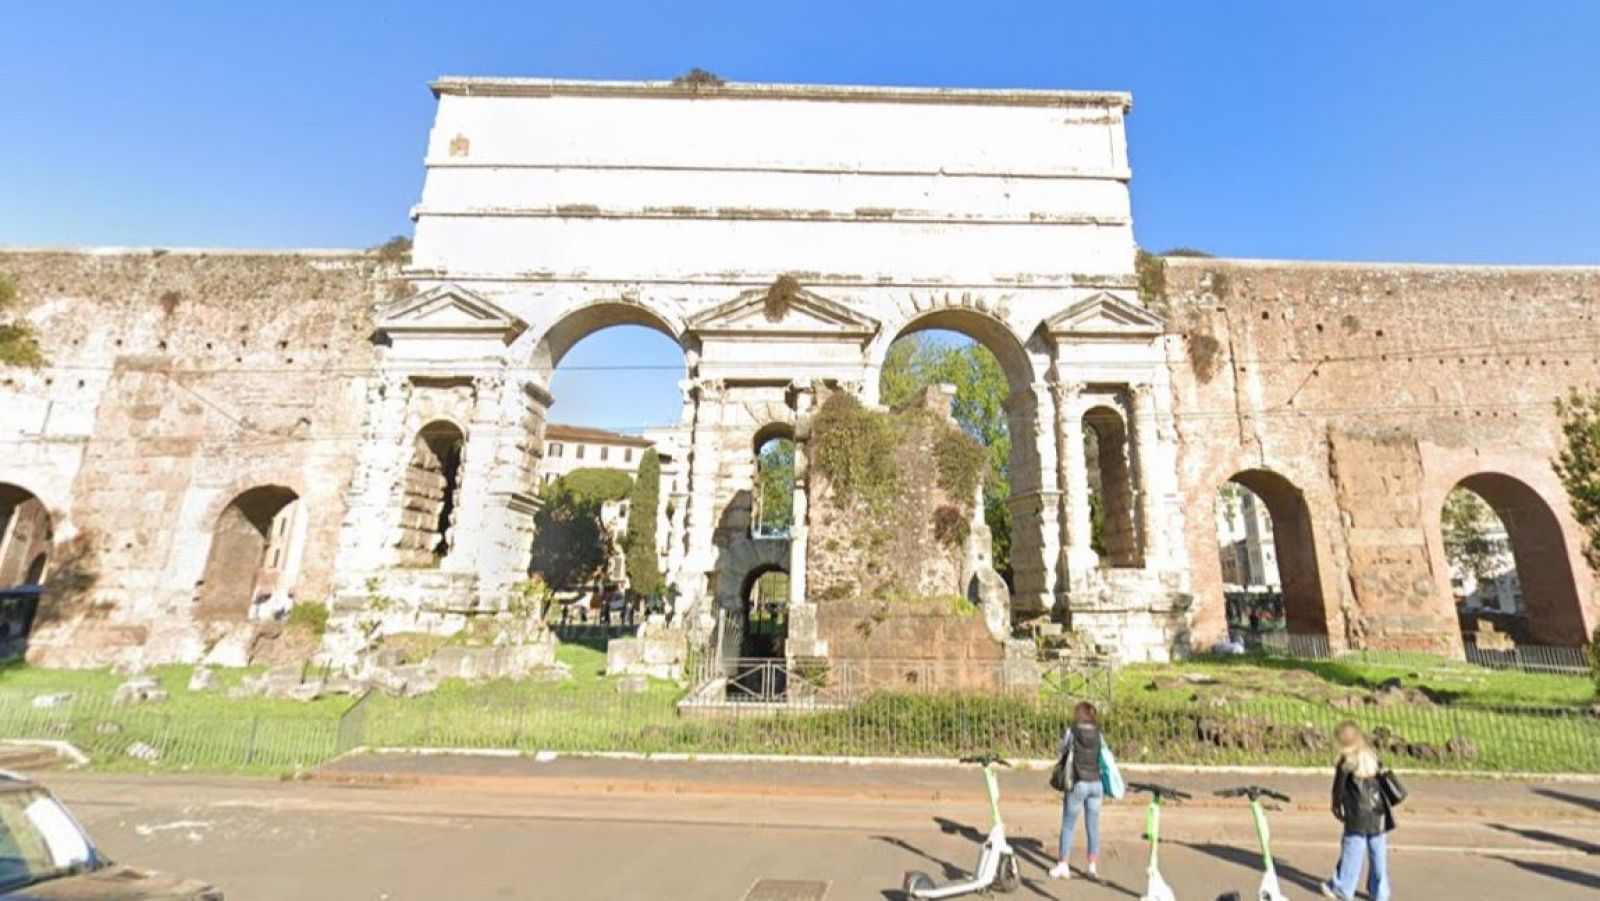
{"x":570,"y":447}
{"x":1501,"y":589}
{"x":1246,"y":550}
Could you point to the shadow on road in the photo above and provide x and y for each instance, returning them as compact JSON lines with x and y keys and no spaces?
{"x":1552,"y":871}
{"x":1252,"y":861}
{"x":1556,"y":794}
{"x":1549,"y":838}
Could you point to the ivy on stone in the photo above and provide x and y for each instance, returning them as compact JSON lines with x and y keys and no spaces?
{"x":19,"y":344}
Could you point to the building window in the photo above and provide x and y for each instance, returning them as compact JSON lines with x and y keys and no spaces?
{"x":627,"y":455}
{"x":605,"y":453}
{"x":577,"y":451}
{"x":555,"y":448}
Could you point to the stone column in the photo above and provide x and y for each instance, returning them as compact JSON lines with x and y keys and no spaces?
{"x":1080,"y":556}
{"x":1034,"y":501}
{"x":804,"y":397}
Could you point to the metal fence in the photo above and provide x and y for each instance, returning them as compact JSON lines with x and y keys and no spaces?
{"x":865,"y":708}
{"x":146,"y":735}
{"x":1571,"y":661}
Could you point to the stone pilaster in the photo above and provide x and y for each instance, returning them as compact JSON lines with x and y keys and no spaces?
{"x":701,"y":516}
{"x":371,"y":527}
{"x":1146,"y":451}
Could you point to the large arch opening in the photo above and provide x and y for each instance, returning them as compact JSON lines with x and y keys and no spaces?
{"x":249,"y":571}
{"x":616,"y":427}
{"x":432,"y":492}
{"x":1271,"y":579}
{"x":988,"y":366}
{"x":26,"y":534}
{"x":1115,"y":532}
{"x":1509,"y":563}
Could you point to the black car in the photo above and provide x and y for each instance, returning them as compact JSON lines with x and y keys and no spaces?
{"x":46,"y":856}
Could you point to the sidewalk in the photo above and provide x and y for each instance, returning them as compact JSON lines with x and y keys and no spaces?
{"x":561,"y":775}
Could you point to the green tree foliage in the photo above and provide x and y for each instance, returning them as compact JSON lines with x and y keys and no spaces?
{"x":919,"y":360}
{"x":1579,"y":465}
{"x":1467,"y":524}
{"x":644,"y":570}
{"x":775,"y":485}
{"x":19,"y":346}
{"x":570,"y":545}
{"x":596,"y":484}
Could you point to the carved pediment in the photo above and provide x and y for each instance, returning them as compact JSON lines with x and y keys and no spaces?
{"x":448,"y":311}
{"x":1106,"y":316}
{"x":784,"y":309}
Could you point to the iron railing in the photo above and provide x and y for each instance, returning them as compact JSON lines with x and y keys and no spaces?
{"x":1523,"y":658}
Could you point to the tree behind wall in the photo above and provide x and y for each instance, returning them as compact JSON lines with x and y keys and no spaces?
{"x":570,"y":545}
{"x":917,"y":361}
{"x":1578,"y":465}
{"x":644,"y":571}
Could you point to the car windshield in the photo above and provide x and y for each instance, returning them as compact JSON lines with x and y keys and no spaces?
{"x":39,"y":840}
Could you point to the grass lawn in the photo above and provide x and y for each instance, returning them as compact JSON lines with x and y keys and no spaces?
{"x":1326,"y":680}
{"x":1233,"y":710}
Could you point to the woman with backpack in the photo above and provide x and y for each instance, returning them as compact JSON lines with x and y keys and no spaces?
{"x":1364,"y":795}
{"x":1079,"y":776}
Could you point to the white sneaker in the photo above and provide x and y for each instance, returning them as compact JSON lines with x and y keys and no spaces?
{"x":1060,"y":871}
{"x":1094,"y":871}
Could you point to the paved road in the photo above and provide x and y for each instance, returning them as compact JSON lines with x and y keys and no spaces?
{"x":578,"y":829}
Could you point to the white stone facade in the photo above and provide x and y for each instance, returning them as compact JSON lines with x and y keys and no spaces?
{"x":784,"y":236}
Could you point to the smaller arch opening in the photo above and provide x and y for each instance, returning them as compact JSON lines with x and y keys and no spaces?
{"x":1510,"y":571}
{"x":1114,"y":534}
{"x":773,"y":513}
{"x":766,"y":608}
{"x":250,"y":567}
{"x":431,"y":489}
{"x":26,"y":533}
{"x":1267,"y":550}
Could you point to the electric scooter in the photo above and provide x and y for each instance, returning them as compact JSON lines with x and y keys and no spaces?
{"x":997,"y":861}
{"x":1269,"y":890}
{"x":1156,"y":889}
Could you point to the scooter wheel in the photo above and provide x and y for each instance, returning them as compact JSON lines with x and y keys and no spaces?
{"x":917,"y":881}
{"x":1010,"y":877}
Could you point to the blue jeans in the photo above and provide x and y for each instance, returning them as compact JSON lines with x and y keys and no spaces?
{"x":1084,"y":796}
{"x":1375,"y":850}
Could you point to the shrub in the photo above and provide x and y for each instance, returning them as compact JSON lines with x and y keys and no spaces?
{"x":1594,"y":659}
{"x":310,"y":614}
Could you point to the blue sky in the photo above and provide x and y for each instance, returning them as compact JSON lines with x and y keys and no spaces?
{"x":1452,"y":131}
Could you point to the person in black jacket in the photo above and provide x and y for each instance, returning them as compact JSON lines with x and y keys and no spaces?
{"x":1081,"y":743}
{"x":1360,"y":804}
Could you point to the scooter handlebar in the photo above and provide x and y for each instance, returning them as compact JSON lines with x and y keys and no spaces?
{"x":1253,"y":792}
{"x":986,"y":760}
{"x":1160,"y":791}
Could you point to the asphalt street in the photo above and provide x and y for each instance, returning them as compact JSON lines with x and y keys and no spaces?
{"x":442,"y":828}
